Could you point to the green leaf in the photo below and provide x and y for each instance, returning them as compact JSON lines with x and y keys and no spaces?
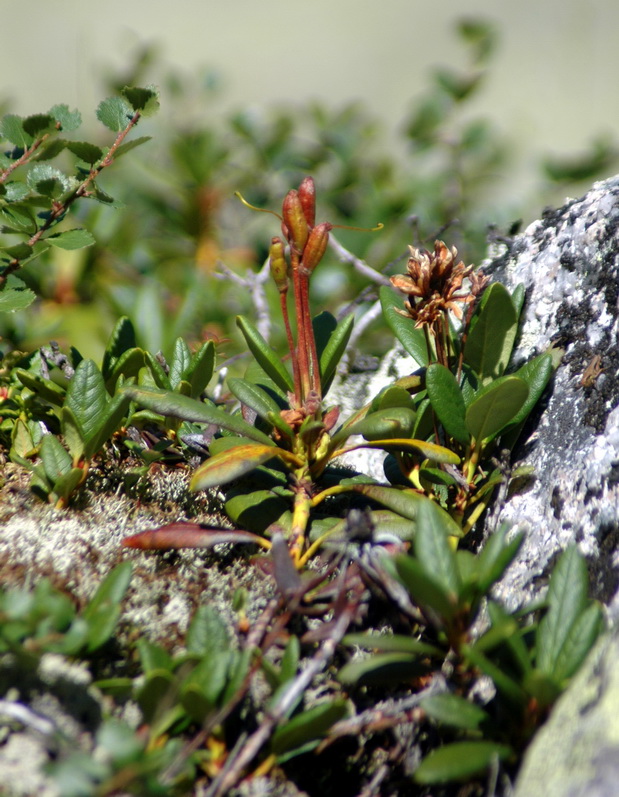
{"x":39,"y":123}
{"x":128,"y":364}
{"x":109,"y":422}
{"x":129,"y":145}
{"x":578,"y":642}
{"x":496,"y":556}
{"x":454,"y":711}
{"x":290,"y":659}
{"x":55,"y":458}
{"x":103,"y":611}
{"x":567,"y":598}
{"x":157,"y":372}
{"x":518,"y":296}
{"x":459,"y":761}
{"x":392,"y":422}
{"x":201,"y":368}
{"x":234,"y":463}
{"x":181,"y":359}
{"x":495,"y":407}
{"x":121,"y":340}
{"x":433,"y":550}
{"x":188,"y":409}
{"x":202,"y":689}
{"x":12,"y":129}
{"x":383,"y":669}
{"x":309,"y":726}
{"x":334,"y":350}
{"x":14,"y":295}
{"x":72,"y":434}
{"x":145,"y":100}
{"x":207,"y":632}
{"x":403,"y":328}
{"x":264,"y":354}
{"x":447,"y":401}
{"x":71,"y":239}
{"x":115,"y":113}
{"x":86,"y":151}
{"x":537,"y":374}
{"x":407,"y":503}
{"x":258,"y":509}
{"x":492,"y":334}
{"x":153,"y":657}
{"x":47,"y":180}
{"x":261,"y":402}
{"x":66,"y":484}
{"x":425,"y":590}
{"x":68,"y":120}
{"x":87,"y":398}
{"x":510,"y":688}
{"x":396,"y":643}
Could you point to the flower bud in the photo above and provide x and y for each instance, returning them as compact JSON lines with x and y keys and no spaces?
{"x":307,"y":195}
{"x":278,"y":264}
{"x":294,"y":219}
{"x":316,"y":246}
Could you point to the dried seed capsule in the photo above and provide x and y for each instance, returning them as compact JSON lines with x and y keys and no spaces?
{"x":307,"y":195}
{"x":294,"y":219}
{"x":316,"y":246}
{"x":278,"y":264}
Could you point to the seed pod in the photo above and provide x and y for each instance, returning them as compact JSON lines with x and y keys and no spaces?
{"x":316,"y":246}
{"x":278,"y":264}
{"x":294,"y":219}
{"x":307,"y":195}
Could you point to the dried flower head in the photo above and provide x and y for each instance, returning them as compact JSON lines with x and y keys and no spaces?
{"x":433,"y":281}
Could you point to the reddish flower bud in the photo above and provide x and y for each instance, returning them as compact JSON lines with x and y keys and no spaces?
{"x":316,"y":246}
{"x":294,"y":219}
{"x":307,"y":195}
{"x":278,"y":264}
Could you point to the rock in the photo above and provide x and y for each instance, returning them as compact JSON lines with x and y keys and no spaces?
{"x":576,"y":753}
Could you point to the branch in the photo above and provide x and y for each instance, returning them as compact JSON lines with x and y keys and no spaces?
{"x":359,"y":265}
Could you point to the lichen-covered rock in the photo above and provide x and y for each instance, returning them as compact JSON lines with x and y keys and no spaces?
{"x":569,"y":264}
{"x":576,"y":753}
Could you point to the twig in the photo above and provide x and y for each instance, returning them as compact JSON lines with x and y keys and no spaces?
{"x":287,"y":699}
{"x":359,"y":265}
{"x":360,"y":326}
{"x":254,"y":283}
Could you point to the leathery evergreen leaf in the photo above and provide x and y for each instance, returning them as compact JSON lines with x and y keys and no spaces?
{"x":567,"y":598}
{"x":428,"y":450}
{"x":207,"y":632}
{"x":496,"y":555}
{"x":536,"y":373}
{"x":201,"y":368}
{"x":264,"y":354}
{"x":396,"y":643}
{"x":234,"y":463}
{"x":261,"y":402}
{"x":181,"y":358}
{"x":497,"y":406}
{"x":433,"y":551}
{"x":189,"y":409}
{"x":407,"y":503}
{"x":428,"y":593}
{"x":333,"y":351}
{"x":55,"y":458}
{"x":121,"y":340}
{"x":459,"y":761}
{"x":87,"y":398}
{"x":103,"y":611}
{"x":403,"y":328}
{"x":580,"y":639}
{"x":447,"y":401}
{"x":492,"y":334}
{"x":390,"y":422}
{"x":309,"y":726}
{"x":383,"y":669}
{"x":115,"y":411}
{"x":455,"y":711}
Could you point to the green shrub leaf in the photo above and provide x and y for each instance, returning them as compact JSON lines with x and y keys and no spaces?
{"x":447,"y":401}
{"x":234,"y":463}
{"x":459,"y":761}
{"x":268,"y":360}
{"x":413,"y":340}
{"x":334,"y":350}
{"x":71,"y":239}
{"x":497,"y":406}
{"x":309,"y":726}
{"x":454,"y":711}
{"x":492,"y":334}
{"x":115,"y":113}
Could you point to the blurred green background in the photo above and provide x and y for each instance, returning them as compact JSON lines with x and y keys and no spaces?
{"x":416,"y":114}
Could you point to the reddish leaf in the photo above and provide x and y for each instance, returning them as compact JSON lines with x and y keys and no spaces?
{"x":186,"y":535}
